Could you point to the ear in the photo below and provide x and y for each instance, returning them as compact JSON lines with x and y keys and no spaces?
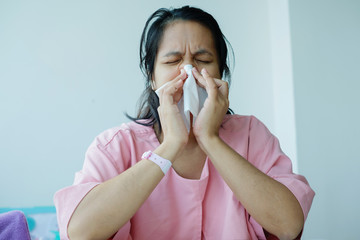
{"x":152,"y":82}
{"x":153,"y":85}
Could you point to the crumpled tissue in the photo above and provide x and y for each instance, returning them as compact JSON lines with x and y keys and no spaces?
{"x":193,"y":98}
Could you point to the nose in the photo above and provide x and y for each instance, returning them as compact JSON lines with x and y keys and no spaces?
{"x":188,"y":62}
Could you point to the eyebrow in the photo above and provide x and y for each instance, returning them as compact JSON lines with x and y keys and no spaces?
{"x":199,"y":52}
{"x":203,"y":51}
{"x":172,"y":53}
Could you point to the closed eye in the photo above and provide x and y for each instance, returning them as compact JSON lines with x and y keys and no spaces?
{"x":172,"y":61}
{"x":203,"y":61}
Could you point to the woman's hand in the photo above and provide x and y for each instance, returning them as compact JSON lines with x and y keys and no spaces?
{"x":174,"y":131}
{"x":216,"y":105}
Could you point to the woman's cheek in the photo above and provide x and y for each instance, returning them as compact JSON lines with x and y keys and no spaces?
{"x":166,"y":75}
{"x":213,"y":71}
{"x":171,"y":73}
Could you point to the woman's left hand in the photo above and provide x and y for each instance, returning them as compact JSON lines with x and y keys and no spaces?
{"x":208,"y":122}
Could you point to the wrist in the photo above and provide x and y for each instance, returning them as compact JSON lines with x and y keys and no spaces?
{"x":208,"y":143}
{"x":163,"y":163}
{"x":169,"y":150}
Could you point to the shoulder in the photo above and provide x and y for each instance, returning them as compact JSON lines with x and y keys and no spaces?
{"x":237,"y":122}
{"x":235,"y":131}
{"x":244,"y":130}
{"x":125,"y":132}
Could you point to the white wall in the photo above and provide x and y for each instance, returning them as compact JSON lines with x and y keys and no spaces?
{"x":326,"y":49}
{"x":282,"y":78}
{"x":69,"y":70}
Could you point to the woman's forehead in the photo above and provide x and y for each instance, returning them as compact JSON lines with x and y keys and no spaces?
{"x":181,"y":36}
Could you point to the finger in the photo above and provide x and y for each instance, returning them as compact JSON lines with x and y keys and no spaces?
{"x":223,"y":86}
{"x":172,"y":93}
{"x":172,"y":88}
{"x":182,"y":76}
{"x":211,"y":87}
{"x":199,"y":79}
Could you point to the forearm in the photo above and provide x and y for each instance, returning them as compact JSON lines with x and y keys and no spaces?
{"x":110,"y":205}
{"x":269,"y":202}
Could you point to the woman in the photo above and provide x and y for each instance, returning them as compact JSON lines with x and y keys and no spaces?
{"x":229,"y":178}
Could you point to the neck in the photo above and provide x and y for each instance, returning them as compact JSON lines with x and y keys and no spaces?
{"x":192,"y":142}
{"x":191,"y":161}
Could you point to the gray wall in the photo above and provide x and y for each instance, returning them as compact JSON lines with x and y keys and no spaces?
{"x":326,"y":62}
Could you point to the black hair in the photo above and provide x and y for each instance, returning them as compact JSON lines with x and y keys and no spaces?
{"x":149,"y":44}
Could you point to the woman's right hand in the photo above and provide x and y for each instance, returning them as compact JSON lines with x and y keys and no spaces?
{"x":174,"y":132}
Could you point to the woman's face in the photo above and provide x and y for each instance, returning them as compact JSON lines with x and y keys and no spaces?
{"x":184,"y":42}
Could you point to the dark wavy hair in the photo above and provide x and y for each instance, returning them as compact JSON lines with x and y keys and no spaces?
{"x":149,"y":45}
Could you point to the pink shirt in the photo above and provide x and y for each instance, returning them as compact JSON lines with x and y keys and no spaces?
{"x":182,"y":208}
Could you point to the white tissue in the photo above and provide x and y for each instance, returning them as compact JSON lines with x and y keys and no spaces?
{"x":193,"y":98}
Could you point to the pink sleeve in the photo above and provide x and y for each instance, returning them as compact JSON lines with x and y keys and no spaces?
{"x":99,"y":166}
{"x":265,"y":153}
